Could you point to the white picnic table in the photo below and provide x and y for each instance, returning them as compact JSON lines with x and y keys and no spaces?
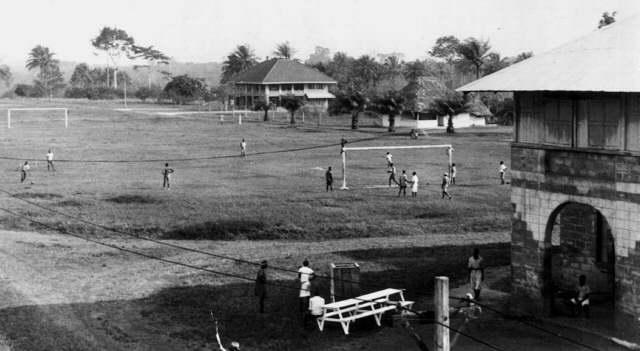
{"x":373,"y":304}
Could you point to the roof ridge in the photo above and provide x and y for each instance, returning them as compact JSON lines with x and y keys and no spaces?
{"x":276,"y":60}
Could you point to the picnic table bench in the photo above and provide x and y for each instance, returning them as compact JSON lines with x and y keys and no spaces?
{"x":374,"y":304}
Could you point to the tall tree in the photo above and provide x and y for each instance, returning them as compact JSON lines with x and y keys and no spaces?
{"x":239,"y":60}
{"x":446,"y":48}
{"x":292,"y":103}
{"x":475,"y":52}
{"x":523,"y":56}
{"x":607,"y":19}
{"x":152,"y":56}
{"x":320,"y":56}
{"x":414,"y":70}
{"x":81,"y":77}
{"x":114,"y":42}
{"x":49,"y":75}
{"x":5,"y":74}
{"x":494,"y":62}
{"x":284,"y":50}
{"x":448,"y":105}
{"x":390,"y":103}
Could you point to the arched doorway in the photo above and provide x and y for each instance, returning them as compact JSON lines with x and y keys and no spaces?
{"x":578,"y":241}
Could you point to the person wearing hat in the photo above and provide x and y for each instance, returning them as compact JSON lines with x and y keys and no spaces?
{"x":261,"y":285}
{"x":445,"y":186}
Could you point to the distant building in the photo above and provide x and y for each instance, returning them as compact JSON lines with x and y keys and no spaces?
{"x":425,"y":90}
{"x":575,"y":161}
{"x":274,"y":78}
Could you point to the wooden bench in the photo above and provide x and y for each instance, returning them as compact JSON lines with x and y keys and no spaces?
{"x":374,"y":304}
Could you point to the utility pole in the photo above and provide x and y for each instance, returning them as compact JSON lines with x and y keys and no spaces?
{"x":441,"y":304}
{"x":125,"y":93}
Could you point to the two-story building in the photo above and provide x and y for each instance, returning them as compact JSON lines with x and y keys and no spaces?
{"x":575,"y":168}
{"x":271,"y":79}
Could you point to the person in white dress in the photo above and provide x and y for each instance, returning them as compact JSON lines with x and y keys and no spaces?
{"x":414,"y":185}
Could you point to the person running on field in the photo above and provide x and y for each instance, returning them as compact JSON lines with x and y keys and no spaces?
{"x":445,"y":186}
{"x":476,"y":272}
{"x":23,"y":171}
{"x":414,"y":185}
{"x":50,"y":161}
{"x":243,"y":148}
{"x":261,"y":285}
{"x":402,"y":182}
{"x":392,"y":174}
{"x":453,"y":173}
{"x":502,"y":170}
{"x":166,"y":175}
{"x":329,"y":178}
{"x":389,"y":159}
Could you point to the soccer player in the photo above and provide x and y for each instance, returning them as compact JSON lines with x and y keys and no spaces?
{"x":50,"y":161}
{"x":453,"y":173}
{"x":261,"y":285}
{"x":166,"y":174}
{"x":389,"y":158}
{"x":445,"y":186}
{"x":414,"y":185}
{"x":402,"y":183}
{"x":23,"y":171}
{"x":305,"y":275}
{"x":476,"y":272}
{"x":502,"y":170}
{"x":243,"y":148}
{"x":328,"y":176}
{"x":392,"y":174}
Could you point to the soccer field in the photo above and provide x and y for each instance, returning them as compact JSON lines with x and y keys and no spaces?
{"x":274,"y":194}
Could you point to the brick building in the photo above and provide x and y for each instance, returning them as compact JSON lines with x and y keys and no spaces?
{"x":575,"y":168}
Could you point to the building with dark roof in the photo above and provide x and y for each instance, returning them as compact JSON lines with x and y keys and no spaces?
{"x":271,"y":79}
{"x":575,"y":169}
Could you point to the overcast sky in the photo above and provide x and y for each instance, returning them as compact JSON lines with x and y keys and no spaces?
{"x":207,"y":30}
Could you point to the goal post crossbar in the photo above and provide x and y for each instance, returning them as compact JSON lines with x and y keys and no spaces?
{"x":66,"y":113}
{"x":449,"y":148}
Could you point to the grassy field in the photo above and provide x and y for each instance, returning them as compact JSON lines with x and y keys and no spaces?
{"x":273,"y":195}
{"x":63,"y":293}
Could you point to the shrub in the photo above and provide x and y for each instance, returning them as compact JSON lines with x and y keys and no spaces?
{"x":143,"y":93}
{"x":183,"y":89}
{"x":76,"y":93}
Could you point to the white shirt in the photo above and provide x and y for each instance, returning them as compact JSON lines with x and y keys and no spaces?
{"x":305,"y":274}
{"x":414,"y":183}
{"x":243,"y":145}
{"x":474,"y":264}
{"x":389,"y":156}
{"x":315,"y":305}
{"x":25,"y":167}
{"x":502,"y":168}
{"x":49,"y":156}
{"x":305,"y":289}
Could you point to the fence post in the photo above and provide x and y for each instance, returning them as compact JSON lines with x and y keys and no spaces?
{"x":441,"y":304}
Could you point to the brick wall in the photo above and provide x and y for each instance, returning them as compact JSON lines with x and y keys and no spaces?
{"x":543,"y":181}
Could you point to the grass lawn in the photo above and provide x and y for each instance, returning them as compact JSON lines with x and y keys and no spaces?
{"x":63,"y":293}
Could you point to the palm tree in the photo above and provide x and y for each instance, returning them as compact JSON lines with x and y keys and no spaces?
{"x":41,"y":58}
{"x":5,"y":74}
{"x":284,"y":50}
{"x":239,"y":60}
{"x":475,"y":51}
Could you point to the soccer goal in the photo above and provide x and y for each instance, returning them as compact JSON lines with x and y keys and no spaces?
{"x":41,"y":109}
{"x":411,"y":158}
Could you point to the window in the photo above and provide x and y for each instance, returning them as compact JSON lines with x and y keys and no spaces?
{"x":603,"y":123}
{"x":558,"y":117}
{"x":273,"y":88}
{"x":285,"y":87}
{"x":298,"y":87}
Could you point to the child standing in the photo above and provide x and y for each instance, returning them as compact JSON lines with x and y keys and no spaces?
{"x":502,"y":170}
{"x":445,"y":186}
{"x":166,"y":175}
{"x":243,"y":148}
{"x":453,"y":173}
{"x":329,"y":178}
{"x":414,"y":185}
{"x":50,"y":161}
{"x":403,"y":184}
{"x":23,"y":171}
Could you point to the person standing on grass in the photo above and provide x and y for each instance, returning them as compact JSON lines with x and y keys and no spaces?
{"x":261,"y":285}
{"x":23,"y":171}
{"x":343,"y":142}
{"x":414,"y":185}
{"x":453,"y":173}
{"x":392,"y":174}
{"x":243,"y":148}
{"x":502,"y":170}
{"x":445,"y":186}
{"x":476,"y":272}
{"x":315,"y":304}
{"x":402,"y":182}
{"x":166,"y":175}
{"x":50,"y":166}
{"x":328,"y":176}
{"x":389,"y":158}
{"x":305,"y":275}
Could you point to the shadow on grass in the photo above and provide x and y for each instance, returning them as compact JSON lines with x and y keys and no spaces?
{"x":43,"y":196}
{"x":132,"y":199}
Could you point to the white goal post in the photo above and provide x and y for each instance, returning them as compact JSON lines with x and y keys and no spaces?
{"x":449,"y":148}
{"x":66,"y":113}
